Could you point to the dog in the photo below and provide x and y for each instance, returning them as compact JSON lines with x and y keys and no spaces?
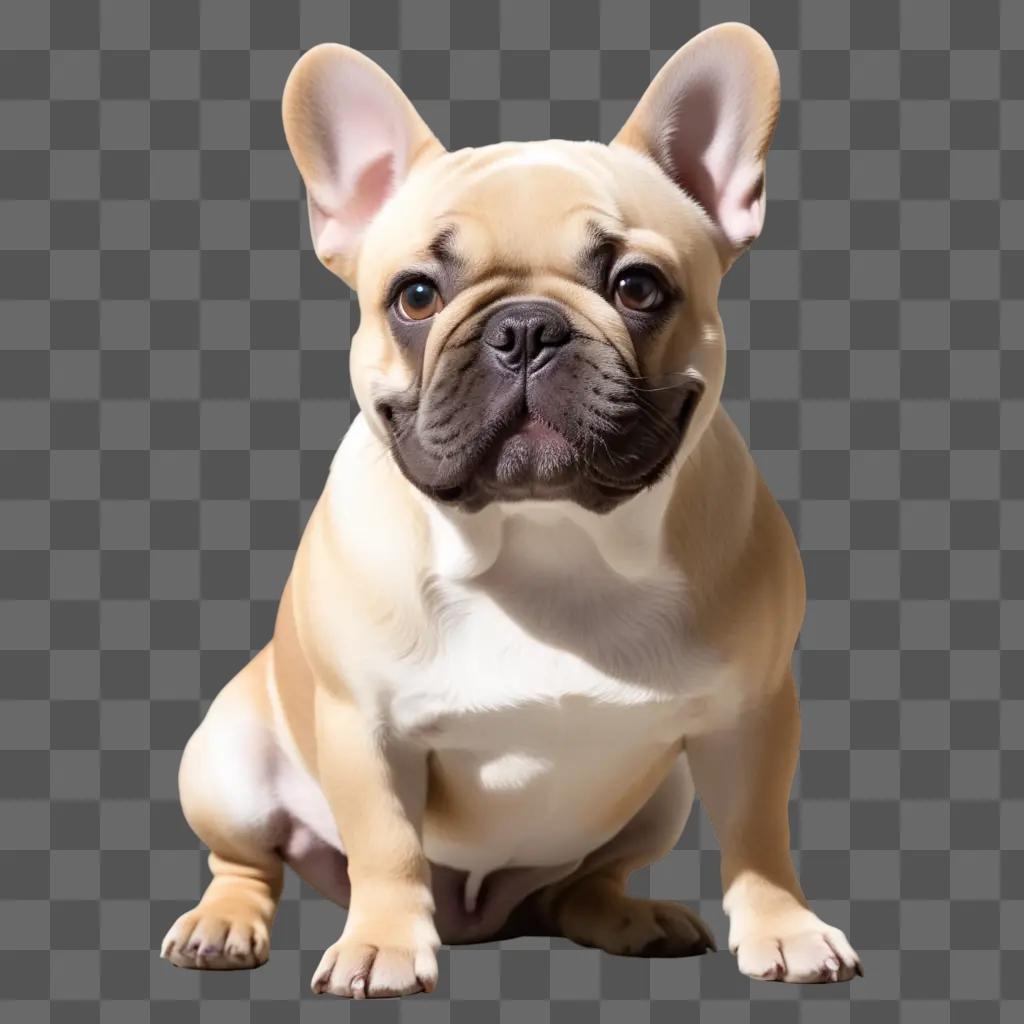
{"x":546,"y":595}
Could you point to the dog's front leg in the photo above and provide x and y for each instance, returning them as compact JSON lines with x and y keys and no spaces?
{"x":743,"y":774}
{"x":376,"y":790}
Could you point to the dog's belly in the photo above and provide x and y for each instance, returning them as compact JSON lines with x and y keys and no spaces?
{"x":530,"y":803}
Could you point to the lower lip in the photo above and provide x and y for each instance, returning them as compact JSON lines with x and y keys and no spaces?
{"x":536,"y":430}
{"x":533,"y":451}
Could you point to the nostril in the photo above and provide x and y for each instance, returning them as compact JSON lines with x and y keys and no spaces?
{"x":552,"y":333}
{"x":506,"y":339}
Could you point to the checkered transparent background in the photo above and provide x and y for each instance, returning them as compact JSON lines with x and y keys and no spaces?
{"x":173,"y":380}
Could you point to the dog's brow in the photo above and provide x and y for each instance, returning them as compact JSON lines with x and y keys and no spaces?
{"x":598,"y":253}
{"x":598,"y":236}
{"x":607,"y":215}
{"x":442,"y":247}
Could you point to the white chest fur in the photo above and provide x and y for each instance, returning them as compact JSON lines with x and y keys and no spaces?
{"x":547,"y":623}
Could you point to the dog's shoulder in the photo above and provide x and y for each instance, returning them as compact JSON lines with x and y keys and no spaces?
{"x":735,"y":542}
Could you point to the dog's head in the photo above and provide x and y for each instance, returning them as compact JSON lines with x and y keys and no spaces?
{"x":538,"y":320}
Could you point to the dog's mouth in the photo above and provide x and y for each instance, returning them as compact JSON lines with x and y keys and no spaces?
{"x":531,"y":457}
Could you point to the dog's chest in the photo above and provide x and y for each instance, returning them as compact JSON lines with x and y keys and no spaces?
{"x":534,"y":666}
{"x":493,"y":687}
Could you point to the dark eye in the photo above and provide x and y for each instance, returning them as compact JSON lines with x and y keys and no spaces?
{"x":638,"y":290}
{"x":419,"y":300}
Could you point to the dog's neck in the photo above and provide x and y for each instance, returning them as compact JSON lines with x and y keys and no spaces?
{"x":539,"y":535}
{"x":629,"y":538}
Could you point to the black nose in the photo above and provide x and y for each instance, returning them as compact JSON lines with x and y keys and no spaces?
{"x":527,"y":333}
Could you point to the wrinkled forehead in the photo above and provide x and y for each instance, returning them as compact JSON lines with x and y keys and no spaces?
{"x":531,"y":208}
{"x":502,"y":207}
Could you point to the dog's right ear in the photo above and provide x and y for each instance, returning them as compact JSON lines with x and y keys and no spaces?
{"x":354,"y":136}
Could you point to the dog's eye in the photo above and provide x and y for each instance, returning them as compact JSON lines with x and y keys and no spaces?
{"x":419,"y":300}
{"x":638,"y":290}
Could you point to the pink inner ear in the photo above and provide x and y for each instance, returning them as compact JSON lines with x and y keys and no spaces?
{"x":362,"y":133}
{"x":741,"y":209}
{"x":710,"y":153}
{"x":373,"y":185}
{"x":690,"y":132}
{"x":338,"y":230}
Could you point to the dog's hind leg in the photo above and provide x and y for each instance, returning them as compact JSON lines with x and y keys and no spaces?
{"x":228,"y":800}
{"x":592,"y":907}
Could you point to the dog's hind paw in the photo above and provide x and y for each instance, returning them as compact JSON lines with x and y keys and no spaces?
{"x":602,"y":916}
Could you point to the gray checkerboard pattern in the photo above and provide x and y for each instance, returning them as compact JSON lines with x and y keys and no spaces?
{"x":173,"y":381}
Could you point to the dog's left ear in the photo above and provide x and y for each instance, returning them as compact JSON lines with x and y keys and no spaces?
{"x":707,"y":120}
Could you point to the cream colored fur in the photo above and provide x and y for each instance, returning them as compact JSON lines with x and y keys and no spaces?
{"x":533,"y":691}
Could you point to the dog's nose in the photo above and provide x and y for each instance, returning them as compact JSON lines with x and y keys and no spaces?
{"x":527,"y":333}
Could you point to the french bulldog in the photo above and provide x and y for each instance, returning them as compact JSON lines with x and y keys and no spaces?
{"x":546,"y":595}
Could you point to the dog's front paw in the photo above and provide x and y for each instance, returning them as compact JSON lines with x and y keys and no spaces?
{"x":795,"y":947}
{"x":389,"y":948}
{"x":363,"y":970}
{"x":221,"y":936}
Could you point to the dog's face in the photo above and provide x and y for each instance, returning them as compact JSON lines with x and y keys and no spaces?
{"x":539,"y":320}
{"x":534,"y":323}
